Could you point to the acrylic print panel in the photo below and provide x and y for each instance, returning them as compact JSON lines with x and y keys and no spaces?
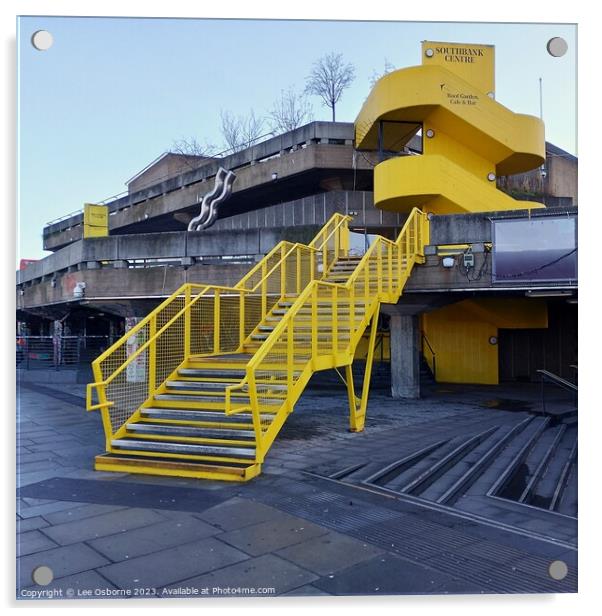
{"x":266,"y":269}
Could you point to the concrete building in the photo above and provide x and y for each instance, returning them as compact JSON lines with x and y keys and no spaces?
{"x":286,"y":188}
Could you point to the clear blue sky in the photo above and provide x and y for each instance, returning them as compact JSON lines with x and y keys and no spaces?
{"x":112,"y":93}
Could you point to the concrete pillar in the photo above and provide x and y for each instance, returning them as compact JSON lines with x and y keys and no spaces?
{"x":405,"y":357}
{"x":57,"y":334}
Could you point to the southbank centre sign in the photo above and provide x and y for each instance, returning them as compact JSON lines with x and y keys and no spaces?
{"x":473,"y":63}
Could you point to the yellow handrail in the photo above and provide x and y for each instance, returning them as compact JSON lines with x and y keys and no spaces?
{"x":174,"y":324}
{"x":339,"y":341}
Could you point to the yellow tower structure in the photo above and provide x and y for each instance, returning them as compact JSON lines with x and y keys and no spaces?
{"x":469,"y":139}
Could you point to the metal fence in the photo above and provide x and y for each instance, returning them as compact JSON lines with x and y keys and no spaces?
{"x":58,"y":352}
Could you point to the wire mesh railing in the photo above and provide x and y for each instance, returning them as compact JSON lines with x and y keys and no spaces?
{"x":201,"y":320}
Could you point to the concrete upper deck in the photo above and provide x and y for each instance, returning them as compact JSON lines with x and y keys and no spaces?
{"x":314,"y":158}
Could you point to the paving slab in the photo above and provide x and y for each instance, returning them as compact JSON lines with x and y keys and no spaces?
{"x":272,"y":535}
{"x":153,"y":538}
{"x":48,"y":507}
{"x":30,"y":524}
{"x":329,"y":553}
{"x":172,"y":565}
{"x":238,"y":513}
{"x":63,"y":561}
{"x":384,"y":575}
{"x":102,"y":525}
{"x":265,"y":575}
{"x":33,"y":541}
{"x":80,"y":512}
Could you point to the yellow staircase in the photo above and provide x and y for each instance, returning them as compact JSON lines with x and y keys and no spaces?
{"x":203,"y":384}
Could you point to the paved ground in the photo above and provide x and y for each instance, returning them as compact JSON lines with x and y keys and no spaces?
{"x":286,"y":532}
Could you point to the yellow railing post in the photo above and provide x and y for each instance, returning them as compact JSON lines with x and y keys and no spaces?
{"x":314,"y":321}
{"x":241,"y":319}
{"x":264,"y":290}
{"x":379,"y":267}
{"x":334,"y":313}
{"x":290,"y":356}
{"x":345,"y":238}
{"x":283,"y":286}
{"x":216,"y":321}
{"x":426,"y":231}
{"x":399,"y":258}
{"x":152,"y":356}
{"x":259,"y":450}
{"x":351,"y":309}
{"x":187,"y":322}
{"x":298,"y":287}
{"x":390,"y":266}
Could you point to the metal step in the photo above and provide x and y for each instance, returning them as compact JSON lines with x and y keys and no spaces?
{"x":358,"y":311}
{"x":203,"y":386}
{"x":212,"y":372}
{"x":130,"y":444}
{"x":214,"y":399}
{"x":200,"y":415}
{"x":242,"y":470}
{"x":200,"y":385}
{"x":325,"y":326}
{"x":324,"y":337}
{"x":196,"y":398}
{"x":192,"y":431}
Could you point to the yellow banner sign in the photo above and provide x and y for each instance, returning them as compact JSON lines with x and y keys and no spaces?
{"x":96,"y":220}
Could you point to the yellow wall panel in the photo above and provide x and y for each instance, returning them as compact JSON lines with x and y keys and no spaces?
{"x":461,"y":344}
{"x":460,"y":335}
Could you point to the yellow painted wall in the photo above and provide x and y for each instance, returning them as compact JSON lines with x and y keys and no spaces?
{"x":461,"y":344}
{"x":460,"y":335}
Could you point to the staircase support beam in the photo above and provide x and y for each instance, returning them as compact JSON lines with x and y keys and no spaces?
{"x":358,"y":406}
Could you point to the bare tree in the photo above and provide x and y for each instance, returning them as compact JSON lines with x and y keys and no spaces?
{"x":290,"y":111}
{"x":376,"y":75}
{"x":193,"y":147}
{"x":239,"y":132}
{"x":328,"y":78}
